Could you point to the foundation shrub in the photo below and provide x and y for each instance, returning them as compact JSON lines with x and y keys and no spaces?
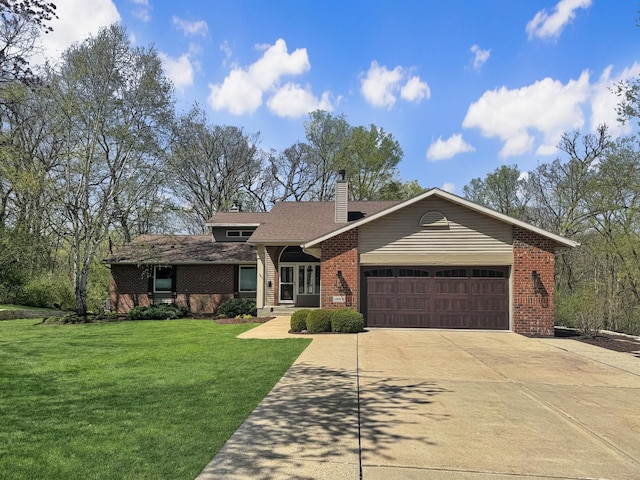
{"x":237,"y":307}
{"x":319,"y":321}
{"x":347,"y":320}
{"x":299,"y":320}
{"x":160,"y":311}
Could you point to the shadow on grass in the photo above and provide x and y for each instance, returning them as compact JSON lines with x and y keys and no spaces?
{"x":312,"y":415}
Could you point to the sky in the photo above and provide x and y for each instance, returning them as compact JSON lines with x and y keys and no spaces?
{"x":464,"y":86}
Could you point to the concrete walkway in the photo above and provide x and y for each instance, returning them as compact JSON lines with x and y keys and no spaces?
{"x":441,"y":404}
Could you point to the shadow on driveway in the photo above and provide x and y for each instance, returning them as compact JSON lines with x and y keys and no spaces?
{"x":307,"y":427}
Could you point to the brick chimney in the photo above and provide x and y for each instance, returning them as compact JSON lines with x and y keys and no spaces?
{"x":341,"y":198}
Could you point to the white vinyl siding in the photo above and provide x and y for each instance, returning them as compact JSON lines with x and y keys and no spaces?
{"x":470,"y":239}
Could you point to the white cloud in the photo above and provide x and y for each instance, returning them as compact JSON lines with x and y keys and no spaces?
{"x":549,"y":26}
{"x":444,"y":149}
{"x":142,"y":14}
{"x":77,"y":19}
{"x":379,"y":86}
{"x":179,"y":70}
{"x":547,"y":107}
{"x":242,"y":90}
{"x":294,"y":101}
{"x":481,"y":56}
{"x":604,"y":101}
{"x":415,"y":90}
{"x":195,"y":28}
{"x":449,"y":187}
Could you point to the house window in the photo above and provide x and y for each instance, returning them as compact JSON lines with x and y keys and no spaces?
{"x":239,"y":233}
{"x":163,"y":279}
{"x":487,"y":273}
{"x":308,"y":279}
{"x":381,"y":272}
{"x":248,"y":278}
{"x":413,"y":272}
{"x":453,"y":273}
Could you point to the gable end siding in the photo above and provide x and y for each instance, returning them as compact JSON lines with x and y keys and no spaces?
{"x":471,"y":238}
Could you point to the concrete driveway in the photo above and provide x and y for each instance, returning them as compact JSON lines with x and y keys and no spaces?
{"x":416,"y":404}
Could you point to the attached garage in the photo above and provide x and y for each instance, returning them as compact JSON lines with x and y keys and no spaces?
{"x":436,"y":297}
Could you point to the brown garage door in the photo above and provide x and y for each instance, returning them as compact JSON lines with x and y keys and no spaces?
{"x":433,"y":297}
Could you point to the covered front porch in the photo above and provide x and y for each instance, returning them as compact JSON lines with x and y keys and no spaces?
{"x":288,"y":279}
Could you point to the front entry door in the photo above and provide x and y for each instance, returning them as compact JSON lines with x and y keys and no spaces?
{"x":287,"y":287}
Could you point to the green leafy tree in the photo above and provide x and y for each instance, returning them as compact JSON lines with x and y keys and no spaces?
{"x":113,"y":105}
{"x":503,"y":190}
{"x":372,"y":156}
{"x":326,"y":135}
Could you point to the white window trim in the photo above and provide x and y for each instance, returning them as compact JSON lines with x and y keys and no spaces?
{"x":240,"y":233}
{"x":240,"y":267}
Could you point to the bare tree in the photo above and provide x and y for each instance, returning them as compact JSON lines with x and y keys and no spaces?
{"x":212,"y":166}
{"x":21,"y":22}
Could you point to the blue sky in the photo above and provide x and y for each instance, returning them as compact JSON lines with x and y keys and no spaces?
{"x":464,"y":86}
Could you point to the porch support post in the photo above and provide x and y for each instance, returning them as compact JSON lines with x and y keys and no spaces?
{"x":261,"y":277}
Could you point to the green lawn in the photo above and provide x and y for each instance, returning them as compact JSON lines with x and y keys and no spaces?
{"x":5,"y":306}
{"x":128,"y":400}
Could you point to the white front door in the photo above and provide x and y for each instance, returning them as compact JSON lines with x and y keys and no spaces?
{"x":299,"y":279}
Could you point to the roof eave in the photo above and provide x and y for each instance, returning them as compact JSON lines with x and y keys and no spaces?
{"x":168,"y":262}
{"x":455,"y":199}
{"x":236,"y":224}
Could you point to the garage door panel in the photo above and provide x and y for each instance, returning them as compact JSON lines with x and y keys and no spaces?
{"x":488,"y":304}
{"x":381,"y":286}
{"x":444,"y":286}
{"x":413,"y":303}
{"x":481,"y":286}
{"x":480,"y":300}
{"x":449,"y":304}
{"x":450,"y":320}
{"x":413,"y":286}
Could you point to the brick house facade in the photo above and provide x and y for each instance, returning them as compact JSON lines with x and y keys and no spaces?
{"x":436,"y":260}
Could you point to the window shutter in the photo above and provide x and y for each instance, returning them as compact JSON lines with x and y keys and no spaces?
{"x":174,"y":287}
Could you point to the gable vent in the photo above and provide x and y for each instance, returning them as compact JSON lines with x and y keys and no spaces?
{"x":434,"y":219}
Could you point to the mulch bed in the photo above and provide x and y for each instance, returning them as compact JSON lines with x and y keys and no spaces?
{"x":613,"y":342}
{"x":610,"y":341}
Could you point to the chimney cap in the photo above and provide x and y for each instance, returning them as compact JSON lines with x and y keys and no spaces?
{"x":342,"y":175}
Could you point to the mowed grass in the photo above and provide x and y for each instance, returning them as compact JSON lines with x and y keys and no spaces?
{"x":128,"y":400}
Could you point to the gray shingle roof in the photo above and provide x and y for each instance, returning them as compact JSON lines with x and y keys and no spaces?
{"x":181,"y":249}
{"x":297,"y":222}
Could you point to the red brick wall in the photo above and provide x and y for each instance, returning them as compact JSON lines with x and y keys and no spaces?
{"x":533,"y":306}
{"x":128,"y":287}
{"x":200,"y":287}
{"x":340,"y":253}
{"x":203,"y":288}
